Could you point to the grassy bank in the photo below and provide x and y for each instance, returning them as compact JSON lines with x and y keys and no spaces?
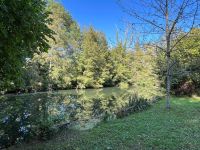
{"x":155,"y":128}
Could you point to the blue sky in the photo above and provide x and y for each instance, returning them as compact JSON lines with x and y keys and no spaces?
{"x":104,"y":15}
{"x":108,"y":17}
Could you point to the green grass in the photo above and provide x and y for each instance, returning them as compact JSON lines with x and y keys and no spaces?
{"x":155,"y":128}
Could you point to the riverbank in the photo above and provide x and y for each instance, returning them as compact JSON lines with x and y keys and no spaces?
{"x":155,"y":128}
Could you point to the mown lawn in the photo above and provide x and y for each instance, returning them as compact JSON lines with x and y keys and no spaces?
{"x":155,"y":128}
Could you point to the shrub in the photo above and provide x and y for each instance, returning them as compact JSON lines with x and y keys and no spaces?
{"x":135,"y":104}
{"x":185,"y":88}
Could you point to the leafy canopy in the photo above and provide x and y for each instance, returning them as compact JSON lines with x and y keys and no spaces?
{"x":23,"y":32}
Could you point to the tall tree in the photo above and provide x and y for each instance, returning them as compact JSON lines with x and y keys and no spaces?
{"x":23,"y":32}
{"x":121,"y":62}
{"x":92,"y":60}
{"x":164,"y":18}
{"x":145,"y":80}
{"x":59,"y":63}
{"x":187,"y":56}
{"x":65,"y":47}
{"x":67,"y":32}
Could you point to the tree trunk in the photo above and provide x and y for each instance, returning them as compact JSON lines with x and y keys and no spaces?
{"x":168,"y":59}
{"x":168,"y":82}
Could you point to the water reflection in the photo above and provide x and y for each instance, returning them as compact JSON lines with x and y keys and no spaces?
{"x":33,"y":115}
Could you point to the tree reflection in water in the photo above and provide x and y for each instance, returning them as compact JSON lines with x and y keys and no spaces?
{"x":39,"y":115}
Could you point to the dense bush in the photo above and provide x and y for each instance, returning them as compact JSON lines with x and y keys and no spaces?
{"x":185,"y":88}
{"x":185,"y":78}
{"x":135,"y":104}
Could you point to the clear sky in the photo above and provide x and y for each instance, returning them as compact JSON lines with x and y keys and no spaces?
{"x":104,"y":15}
{"x":108,"y":17}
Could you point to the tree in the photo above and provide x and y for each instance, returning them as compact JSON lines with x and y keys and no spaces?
{"x":121,"y":62}
{"x":23,"y":32}
{"x":65,"y":48}
{"x":92,"y":64}
{"x":187,"y":57}
{"x":67,"y":33}
{"x":61,"y":72}
{"x":36,"y":73}
{"x":164,"y":18}
{"x":144,"y":78}
{"x":57,"y":67}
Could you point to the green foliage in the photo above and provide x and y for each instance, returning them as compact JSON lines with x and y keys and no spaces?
{"x":144,"y":78}
{"x":121,"y":62}
{"x":67,"y":33}
{"x":35,"y":59}
{"x":135,"y":104}
{"x":23,"y":32}
{"x":63,"y":52}
{"x":123,"y":85}
{"x":185,"y":64}
{"x":93,"y":67}
{"x":37,"y":73}
{"x":78,"y":59}
{"x":55,"y":69}
{"x":187,"y":57}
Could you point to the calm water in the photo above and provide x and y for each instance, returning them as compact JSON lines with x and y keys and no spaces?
{"x":25,"y":115}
